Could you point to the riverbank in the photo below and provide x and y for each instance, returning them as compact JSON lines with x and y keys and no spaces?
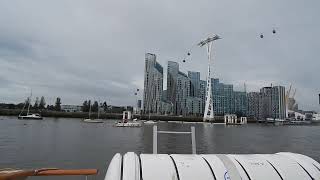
{"x":68,"y":143}
{"x":61,"y":114}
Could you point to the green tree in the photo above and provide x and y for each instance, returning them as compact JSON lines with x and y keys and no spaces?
{"x":42,"y":103}
{"x":85,"y":106}
{"x":10,"y":106}
{"x":36,"y":103}
{"x":105,"y":106}
{"x":50,"y":107}
{"x":57,"y":106}
{"x":95,"y":107}
{"x":20,"y":105}
{"x":89,"y":104}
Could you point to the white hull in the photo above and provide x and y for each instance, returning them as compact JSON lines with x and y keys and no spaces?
{"x":128,"y":124}
{"x":150,"y":122}
{"x":93,"y":121}
{"x":31,"y":116}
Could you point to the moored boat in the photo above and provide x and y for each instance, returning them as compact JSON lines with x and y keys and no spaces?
{"x":34,"y":116}
{"x":150,"y":122}
{"x":93,"y":120}
{"x":89,"y":120}
{"x":125,"y":123}
{"x":31,"y":116}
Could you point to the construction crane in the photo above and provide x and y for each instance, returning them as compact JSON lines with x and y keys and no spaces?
{"x":294,"y":93}
{"x":287,"y":101}
{"x":288,"y":94}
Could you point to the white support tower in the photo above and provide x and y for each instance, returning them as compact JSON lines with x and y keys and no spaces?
{"x":208,"y":111}
{"x":287,"y":101}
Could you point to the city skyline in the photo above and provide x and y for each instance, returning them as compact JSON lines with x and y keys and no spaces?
{"x":186,"y":95}
{"x":93,"y":50}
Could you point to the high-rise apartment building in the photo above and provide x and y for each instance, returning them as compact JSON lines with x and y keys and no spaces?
{"x":172,"y":81}
{"x":265,"y":109}
{"x":153,"y":85}
{"x":223,"y":97}
{"x":278,"y":102}
{"x":240,"y":103}
{"x":194,"y":106}
{"x":272,"y":103}
{"x":195,"y":83}
{"x":183,"y":92}
{"x":253,"y":105}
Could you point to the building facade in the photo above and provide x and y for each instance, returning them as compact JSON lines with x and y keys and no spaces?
{"x":278,"y":102}
{"x":240,"y":103}
{"x":194,"y":106}
{"x":71,"y":108}
{"x":223,"y":98}
{"x":153,"y":85}
{"x":272,"y":103}
{"x":202,"y":94}
{"x":195,"y":83}
{"x":183,"y":92}
{"x":265,"y":110}
{"x":253,"y":105}
{"x":172,"y":80}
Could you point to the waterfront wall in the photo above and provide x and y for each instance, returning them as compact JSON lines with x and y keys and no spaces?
{"x":15,"y":112}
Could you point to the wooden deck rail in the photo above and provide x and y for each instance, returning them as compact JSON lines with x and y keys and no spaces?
{"x":11,"y":174}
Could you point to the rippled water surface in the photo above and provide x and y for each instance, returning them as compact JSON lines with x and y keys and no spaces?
{"x":70,"y":143}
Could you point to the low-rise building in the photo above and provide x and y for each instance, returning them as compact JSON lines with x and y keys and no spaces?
{"x":71,"y":108}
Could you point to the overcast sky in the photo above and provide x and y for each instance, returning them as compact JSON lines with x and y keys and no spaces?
{"x":95,"y":49}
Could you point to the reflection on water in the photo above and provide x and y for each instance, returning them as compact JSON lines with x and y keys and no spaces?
{"x":70,"y":143}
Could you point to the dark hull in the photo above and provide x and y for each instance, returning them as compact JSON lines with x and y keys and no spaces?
{"x":30,"y":118}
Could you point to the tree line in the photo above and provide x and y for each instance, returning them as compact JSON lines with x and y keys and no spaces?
{"x":94,"y":106}
{"x":39,"y":104}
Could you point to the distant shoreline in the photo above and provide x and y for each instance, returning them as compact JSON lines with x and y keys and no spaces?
{"x":61,"y":114}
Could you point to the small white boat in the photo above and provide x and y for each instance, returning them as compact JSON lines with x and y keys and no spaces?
{"x":35,"y":116}
{"x":89,"y":120}
{"x":124,"y":123}
{"x":276,"y":121}
{"x":31,"y":116}
{"x":93,"y":120}
{"x":150,"y":122}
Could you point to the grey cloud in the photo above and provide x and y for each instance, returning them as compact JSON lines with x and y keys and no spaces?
{"x":77,"y":49}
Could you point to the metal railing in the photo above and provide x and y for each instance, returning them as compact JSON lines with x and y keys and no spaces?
{"x":156,"y":132}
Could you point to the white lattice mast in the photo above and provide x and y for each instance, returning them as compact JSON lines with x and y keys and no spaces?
{"x":208,"y":111}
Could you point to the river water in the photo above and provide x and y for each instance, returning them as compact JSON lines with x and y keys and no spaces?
{"x":70,"y":143}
